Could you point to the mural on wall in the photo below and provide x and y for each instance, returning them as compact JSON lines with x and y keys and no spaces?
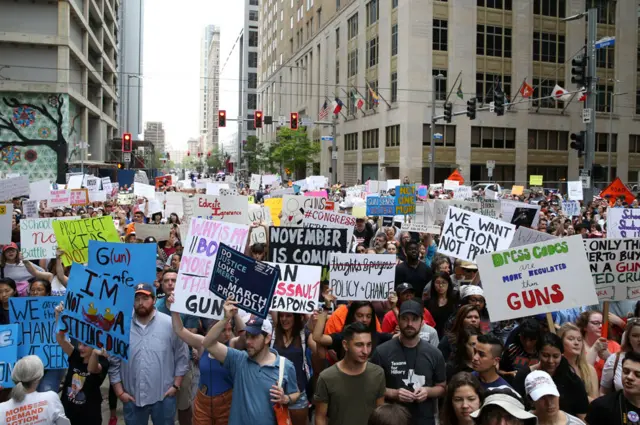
{"x":35,"y":130}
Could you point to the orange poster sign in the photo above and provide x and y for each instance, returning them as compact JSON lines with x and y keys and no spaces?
{"x":617,"y":189}
{"x":163,"y":182}
{"x":457,"y":177}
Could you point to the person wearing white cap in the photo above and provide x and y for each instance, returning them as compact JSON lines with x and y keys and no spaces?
{"x":546,"y":400}
{"x":503,"y":406}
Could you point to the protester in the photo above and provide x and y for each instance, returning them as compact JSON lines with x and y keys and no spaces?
{"x":487,"y":354}
{"x":413,"y":271}
{"x":522,"y":351}
{"x":462,"y":360}
{"x":390,"y":414}
{"x":464,"y":396}
{"x":598,"y":349}
{"x":612,"y":371}
{"x":503,"y":406}
{"x":575,"y":353}
{"x":546,"y":400}
{"x":466,"y":316}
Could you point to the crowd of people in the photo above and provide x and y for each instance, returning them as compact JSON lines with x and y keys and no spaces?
{"x":430,"y":354}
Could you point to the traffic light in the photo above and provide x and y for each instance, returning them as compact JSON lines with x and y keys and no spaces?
{"x":578,"y":142}
{"x":448,"y":113}
{"x":120,"y":166}
{"x":188,"y":153}
{"x":579,"y":71}
{"x":222,"y":118}
{"x":126,"y":142}
{"x":499,"y":103}
{"x":257,"y":119}
{"x":294,"y":121}
{"x":471,"y":108}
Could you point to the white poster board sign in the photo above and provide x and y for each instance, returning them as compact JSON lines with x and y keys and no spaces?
{"x":159,"y":231}
{"x":13,"y":188}
{"x":255,"y":182}
{"x":37,"y":239}
{"x":462,"y":192}
{"x":142,"y":190}
{"x":323,"y":218}
{"x":571,"y":208}
{"x":574,"y":190}
{"x":298,"y":288}
{"x":30,"y":208}
{"x":613,"y":264}
{"x":451,"y":184}
{"x":230,"y":209}
{"x":508,"y":209}
{"x":6,"y":215}
{"x":526,"y":236}
{"x":39,"y":190}
{"x":421,"y":228}
{"x":362,"y":277}
{"x":623,"y":223}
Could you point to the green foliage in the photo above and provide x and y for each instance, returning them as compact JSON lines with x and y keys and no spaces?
{"x":294,"y":149}
{"x":216,"y":161}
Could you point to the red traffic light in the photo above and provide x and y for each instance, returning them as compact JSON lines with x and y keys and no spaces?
{"x":127,"y":143}
{"x":208,"y":154}
{"x":294,"y":121}
{"x":257,"y":119}
{"x":222,"y":118}
{"x":188,"y":153}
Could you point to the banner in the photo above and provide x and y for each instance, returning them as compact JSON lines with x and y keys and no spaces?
{"x":30,"y":208}
{"x":275,"y":207}
{"x":8,"y":353}
{"x":14,"y":188}
{"x":250,"y":282}
{"x":230,"y":209}
{"x":37,"y":239}
{"x":405,"y":200}
{"x":421,"y":228}
{"x":616,"y":190}
{"x":526,"y":236}
{"x":35,"y":317}
{"x":305,"y":245}
{"x":571,"y":208}
{"x":466,"y":235}
{"x":143,"y":190}
{"x":380,"y":205}
{"x":536,"y":279}
{"x":59,"y":198}
{"x":614,"y":268}
{"x":201,"y":244}
{"x":362,"y":277}
{"x":574,"y":190}
{"x":297,"y":288}
{"x":6,"y":219}
{"x":294,"y":207}
{"x":100,"y":297}
{"x":623,"y":223}
{"x":161,"y":232}
{"x":79,"y":197}
{"x":73,"y":237}
{"x":328,"y":219}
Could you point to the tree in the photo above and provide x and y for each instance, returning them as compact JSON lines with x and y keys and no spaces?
{"x":216,"y":160}
{"x":294,"y":149}
{"x":254,"y":153}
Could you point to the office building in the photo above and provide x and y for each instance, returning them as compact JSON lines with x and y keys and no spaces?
{"x":131,"y":43}
{"x":154,"y":133}
{"x":210,"y":85}
{"x":58,"y":84}
{"x":387,"y":52}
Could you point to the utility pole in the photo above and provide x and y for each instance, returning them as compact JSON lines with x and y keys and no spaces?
{"x":592,"y":79}
{"x":432,"y":146}
{"x":334,"y":151}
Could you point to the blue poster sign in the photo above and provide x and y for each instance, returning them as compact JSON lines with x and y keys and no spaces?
{"x":99,"y":298}
{"x":405,"y":200}
{"x":35,"y":317}
{"x":380,"y":206}
{"x":250,"y":282}
{"x":8,"y":353}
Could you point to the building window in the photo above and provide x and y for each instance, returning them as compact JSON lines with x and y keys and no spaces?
{"x":440,"y":34}
{"x":394,"y":40}
{"x":493,"y":138}
{"x":253,"y":80}
{"x":548,"y":140}
{"x":441,"y":84}
{"x":352,"y":63}
{"x":337,"y":71}
{"x":448,"y":135}
{"x":495,"y":4}
{"x":606,"y":10}
{"x":337,"y":38}
{"x":605,"y":58}
{"x":372,"y":52}
{"x":634,"y":143}
{"x":337,"y":5}
{"x":552,"y":8}
{"x":637,"y":102}
{"x":394,"y":87}
{"x":370,"y":100}
{"x":394,"y":4}
{"x":352,"y":27}
{"x":392,"y":136}
{"x":541,"y":91}
{"x":250,"y":123}
{"x":252,"y":101}
{"x":370,"y":139}
{"x":253,"y":15}
{"x":602,"y":142}
{"x":493,"y":41}
{"x":253,"y":38}
{"x":488,"y":84}
{"x":351,"y":142}
{"x":253,"y":59}
{"x":548,"y":47}
{"x":603,"y":100}
{"x":373,"y":12}
{"x":253,"y":2}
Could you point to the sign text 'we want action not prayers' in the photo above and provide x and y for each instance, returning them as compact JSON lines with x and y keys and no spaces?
{"x":192,"y":294}
{"x":362,"y":277}
{"x":99,"y":298}
{"x":615,"y":267}
{"x":534,"y":279}
{"x":466,"y":235}
{"x":248,"y":281}
{"x":297,"y":288}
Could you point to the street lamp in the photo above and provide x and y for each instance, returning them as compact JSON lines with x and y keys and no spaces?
{"x":432,"y":146}
{"x":610,"y":140}
{"x":129,"y":77}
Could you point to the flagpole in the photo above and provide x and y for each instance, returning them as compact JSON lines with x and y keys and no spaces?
{"x":377,"y":92}
{"x":555,"y":72}
{"x":349,"y":97}
{"x":568,"y":103}
{"x":336,"y":97}
{"x":517,"y":93}
{"x":363,"y":98}
{"x":452,"y":87}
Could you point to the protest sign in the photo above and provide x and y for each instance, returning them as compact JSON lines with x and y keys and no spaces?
{"x":6,"y":216}
{"x":297,"y":288}
{"x":526,"y":236}
{"x":517,"y":190}
{"x":328,"y":219}
{"x":126,"y":198}
{"x":59,"y":198}
{"x":405,"y":200}
{"x":30,"y":208}
{"x":305,"y":245}
{"x":451,"y":184}
{"x":574,"y":190}
{"x":258,"y":235}
{"x":14,"y":187}
{"x":362,"y":277}
{"x":380,"y":205}
{"x":187,"y":208}
{"x":99,"y":196}
{"x":39,"y":190}
{"x":421,"y":228}
{"x":275,"y":206}
{"x":250,"y":282}
{"x":159,"y":231}
{"x":614,"y":268}
{"x":462,"y":192}
{"x":230,"y":209}
{"x":228,"y":192}
{"x":35,"y":317}
{"x":162,"y":182}
{"x":535,"y":279}
{"x":37,"y":239}
{"x":392,"y":183}
{"x":174,"y":204}
{"x":294,"y":207}
{"x":213,"y":188}
{"x":73,"y":236}
{"x":616,"y":190}
{"x":490,"y":194}
{"x":523,"y":216}
{"x":441,"y":206}
{"x":99,"y":299}
{"x":8,"y":353}
{"x":535,"y":180}
{"x":466,"y":235}
{"x":371,"y":186}
{"x":79,"y":197}
{"x":92,"y":184}
{"x":258,"y":213}
{"x":255,"y":182}
{"x":201,"y":244}
{"x":490,"y":208}
{"x":142,"y":190}
{"x":571,"y":208}
{"x":75,"y":181}
{"x":623,"y":223}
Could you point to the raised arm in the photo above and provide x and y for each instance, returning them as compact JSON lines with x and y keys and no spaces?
{"x":211,"y":343}
{"x":66,"y":346}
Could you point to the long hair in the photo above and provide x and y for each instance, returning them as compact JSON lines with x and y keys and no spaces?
{"x":458,"y":322}
{"x":298,"y":325}
{"x":447,"y":414}
{"x":466,"y":332}
{"x":584,"y":372}
{"x":433,"y":301}
{"x":26,"y":374}
{"x":351,"y":314}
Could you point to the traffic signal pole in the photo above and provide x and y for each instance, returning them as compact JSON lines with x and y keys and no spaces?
{"x":590,"y":142}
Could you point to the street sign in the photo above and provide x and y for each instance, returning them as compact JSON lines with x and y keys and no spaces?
{"x":586,"y":115}
{"x":437,"y":136}
{"x":605,"y":42}
{"x":429,"y":158}
{"x":585,"y":178}
{"x":282,"y":120}
{"x":492,"y":106}
{"x":126,"y":157}
{"x":326,"y":138}
{"x":491,"y":164}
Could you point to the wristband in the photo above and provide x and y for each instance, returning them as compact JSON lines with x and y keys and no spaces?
{"x":176,"y":387}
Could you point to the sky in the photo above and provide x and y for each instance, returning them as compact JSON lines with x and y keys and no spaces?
{"x":171,"y":63}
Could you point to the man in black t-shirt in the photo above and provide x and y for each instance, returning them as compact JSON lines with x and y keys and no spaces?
{"x":413,"y":271}
{"x":363,"y":232}
{"x":413,"y":368}
{"x":620,"y":407}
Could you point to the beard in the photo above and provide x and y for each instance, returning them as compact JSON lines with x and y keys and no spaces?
{"x":409,"y":332}
{"x":142,"y":311}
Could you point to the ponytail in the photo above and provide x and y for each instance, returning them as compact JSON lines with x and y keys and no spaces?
{"x":19,"y":392}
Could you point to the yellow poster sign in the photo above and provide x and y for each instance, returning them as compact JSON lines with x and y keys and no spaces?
{"x":73,"y":236}
{"x":275,"y":206}
{"x":535,"y":180}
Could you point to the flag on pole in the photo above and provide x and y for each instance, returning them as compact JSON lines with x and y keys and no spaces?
{"x":560,"y":94}
{"x":459,"y":92}
{"x":526,"y":90}
{"x":337,"y":106}
{"x":374,"y":95}
{"x":324,"y":111}
{"x":358,"y":101}
{"x":583,"y":95}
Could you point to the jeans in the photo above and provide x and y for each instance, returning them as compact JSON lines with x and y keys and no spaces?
{"x":161,"y":412}
{"x":51,"y":380}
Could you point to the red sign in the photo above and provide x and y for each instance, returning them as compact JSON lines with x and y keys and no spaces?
{"x":615,"y":190}
{"x":457,"y":177}
{"x":163,"y":182}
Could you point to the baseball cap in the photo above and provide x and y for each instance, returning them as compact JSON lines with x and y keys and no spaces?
{"x":11,"y":245}
{"x":469,"y":290}
{"x":403,"y":287}
{"x":411,"y":307}
{"x":469,"y":265}
{"x":256,"y":326}
{"x":511,"y":404}
{"x":146,"y":288}
{"x":539,"y":384}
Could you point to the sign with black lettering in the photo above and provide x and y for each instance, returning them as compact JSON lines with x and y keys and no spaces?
{"x":362,"y":277}
{"x":305,"y":245}
{"x":615,"y":268}
{"x":297,"y":288}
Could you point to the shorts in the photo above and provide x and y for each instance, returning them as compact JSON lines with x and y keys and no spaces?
{"x":184,"y":396}
{"x":301,"y":403}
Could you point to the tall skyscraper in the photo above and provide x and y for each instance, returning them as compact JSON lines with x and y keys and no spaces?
{"x":131,"y":22}
{"x":209,"y":85}
{"x":154,"y":133}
